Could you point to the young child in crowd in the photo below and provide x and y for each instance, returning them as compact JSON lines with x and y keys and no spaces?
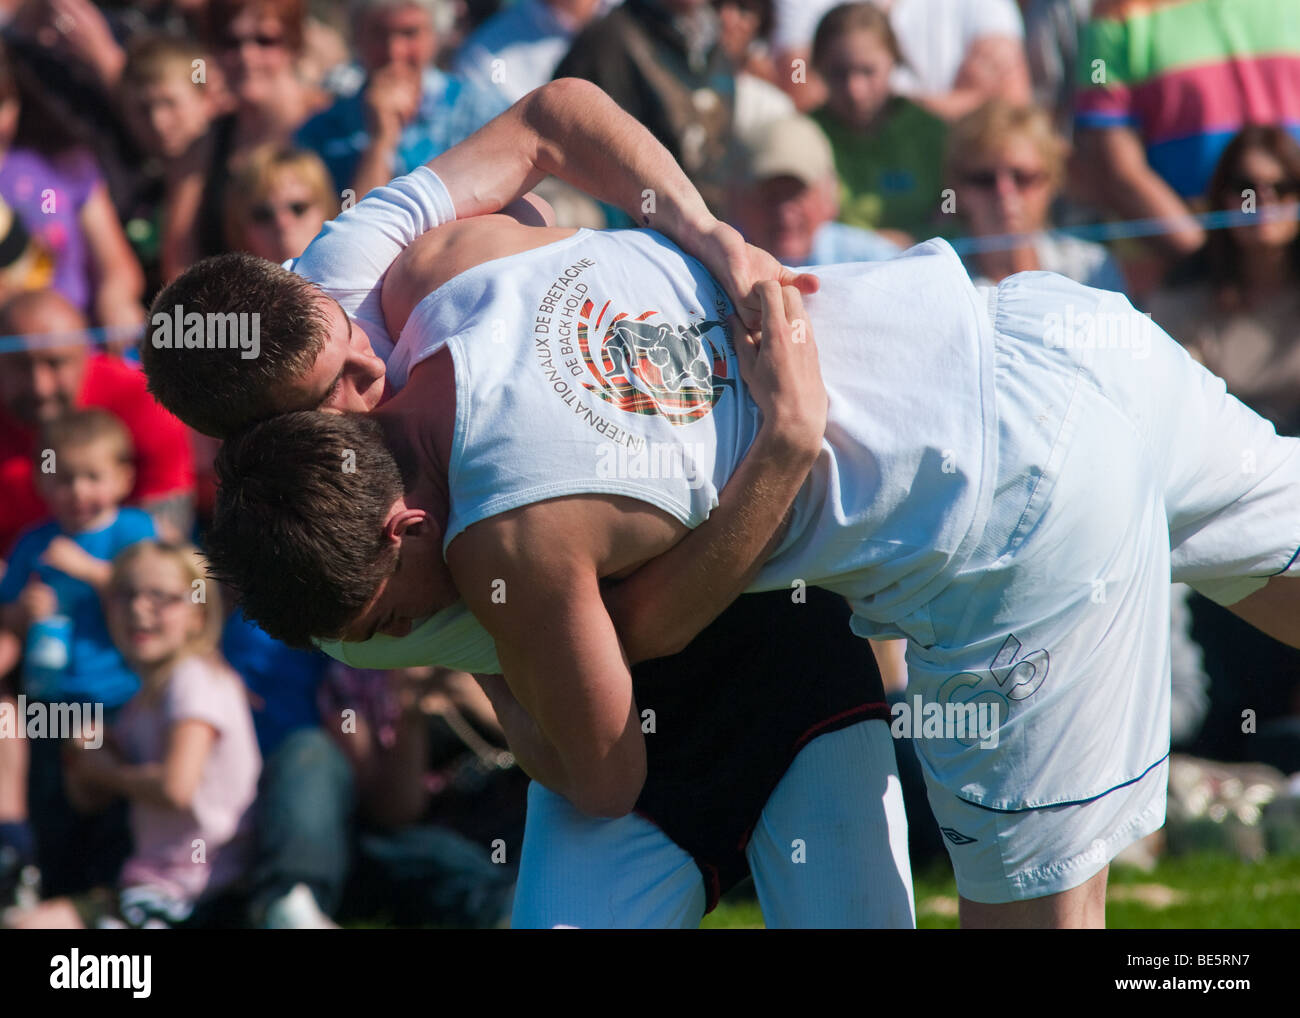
{"x":50,"y":600}
{"x":182,"y":752}
{"x":168,"y":105}
{"x":888,"y":150}
{"x":60,"y":567}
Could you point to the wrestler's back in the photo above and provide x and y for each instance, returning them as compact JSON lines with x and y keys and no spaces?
{"x":446,"y":251}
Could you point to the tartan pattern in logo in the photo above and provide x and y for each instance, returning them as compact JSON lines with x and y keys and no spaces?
{"x":649,"y":367}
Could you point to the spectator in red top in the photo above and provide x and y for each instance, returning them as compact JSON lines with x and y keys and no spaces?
{"x":48,"y":378}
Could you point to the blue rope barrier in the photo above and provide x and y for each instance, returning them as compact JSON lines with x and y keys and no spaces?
{"x":1095,"y":232}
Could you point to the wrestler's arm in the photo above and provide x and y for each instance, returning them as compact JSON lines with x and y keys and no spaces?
{"x":661,"y":607}
{"x":559,"y":651}
{"x":572,"y":129}
{"x":1274,"y":609}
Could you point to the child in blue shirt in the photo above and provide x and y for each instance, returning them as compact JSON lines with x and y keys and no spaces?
{"x":58,"y":568}
{"x":84,"y":473}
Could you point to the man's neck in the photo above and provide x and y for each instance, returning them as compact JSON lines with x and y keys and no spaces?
{"x":419,"y":424}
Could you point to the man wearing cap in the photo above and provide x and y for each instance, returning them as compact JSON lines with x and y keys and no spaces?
{"x":788,"y":201}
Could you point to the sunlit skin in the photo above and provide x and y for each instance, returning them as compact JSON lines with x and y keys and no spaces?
{"x":1261,"y":172}
{"x":857,"y":69}
{"x":280,"y":223}
{"x":168,"y":116}
{"x":150,"y":612}
{"x":346,"y":375}
{"x":253,"y":56}
{"x":86,"y":486}
{"x":401,"y":36}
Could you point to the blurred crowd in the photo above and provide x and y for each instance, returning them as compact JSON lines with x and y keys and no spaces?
{"x":1144,"y":147}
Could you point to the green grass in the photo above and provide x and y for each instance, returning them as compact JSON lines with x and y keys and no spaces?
{"x":1187,"y":892}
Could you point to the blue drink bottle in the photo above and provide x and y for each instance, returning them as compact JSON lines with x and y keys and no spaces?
{"x":49,"y":648}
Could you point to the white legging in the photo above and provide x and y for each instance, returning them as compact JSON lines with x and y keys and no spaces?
{"x":828,"y":851}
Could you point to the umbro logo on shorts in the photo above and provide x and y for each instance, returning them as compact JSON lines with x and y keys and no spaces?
{"x":956,"y":837}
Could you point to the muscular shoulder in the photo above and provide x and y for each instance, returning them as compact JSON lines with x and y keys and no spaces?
{"x":448,"y":250}
{"x":551,"y":542}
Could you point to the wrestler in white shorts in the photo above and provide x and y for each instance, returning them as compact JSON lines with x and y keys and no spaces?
{"x":1122,"y":462}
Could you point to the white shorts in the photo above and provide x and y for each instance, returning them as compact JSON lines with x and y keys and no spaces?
{"x":829,"y":851}
{"x":1121,"y":462}
{"x":1000,"y":857}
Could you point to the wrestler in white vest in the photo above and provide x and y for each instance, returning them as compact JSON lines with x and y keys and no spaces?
{"x":603,"y":363}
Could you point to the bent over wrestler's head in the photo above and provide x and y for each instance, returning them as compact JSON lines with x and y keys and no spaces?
{"x":318,"y":533}
{"x":310,"y":354}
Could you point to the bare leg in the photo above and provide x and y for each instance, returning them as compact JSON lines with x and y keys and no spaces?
{"x":891,"y":657}
{"x":13,"y":771}
{"x":1079,"y":908}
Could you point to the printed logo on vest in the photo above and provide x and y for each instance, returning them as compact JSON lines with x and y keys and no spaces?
{"x":637,"y":364}
{"x":650,"y":367}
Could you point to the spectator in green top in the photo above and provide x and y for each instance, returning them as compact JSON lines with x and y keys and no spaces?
{"x":888,"y":150}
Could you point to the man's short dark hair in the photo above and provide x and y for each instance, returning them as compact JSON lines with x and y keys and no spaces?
{"x":217,"y":391}
{"x":299,"y":523}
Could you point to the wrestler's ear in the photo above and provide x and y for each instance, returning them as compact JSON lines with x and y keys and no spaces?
{"x":404,"y":522}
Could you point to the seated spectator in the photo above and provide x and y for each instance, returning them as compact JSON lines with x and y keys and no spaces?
{"x":324,"y":53}
{"x":956,"y":54}
{"x":50,"y":600}
{"x":888,"y":151}
{"x":182,"y":752}
{"x":789,"y":199}
{"x":661,"y":60}
{"x":59,"y":567}
{"x":435,"y":791}
{"x":745,"y":26}
{"x":24,"y":263}
{"x":1052,"y":46}
{"x":169,"y":115}
{"x":303,"y":814}
{"x":280,"y":201}
{"x":1006,"y":165}
{"x":257,"y":44}
{"x":56,"y":188}
{"x":1163,"y":88}
{"x":73,"y":31}
{"x":68,"y":59}
{"x":406,"y":112}
{"x":959,"y":54}
{"x":1235,"y":306}
{"x":58,"y":372}
{"x":517,"y":49}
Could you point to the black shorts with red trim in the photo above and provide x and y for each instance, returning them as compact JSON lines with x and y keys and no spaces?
{"x":734,"y":708}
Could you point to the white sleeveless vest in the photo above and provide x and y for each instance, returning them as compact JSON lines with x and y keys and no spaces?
{"x":603,"y":363}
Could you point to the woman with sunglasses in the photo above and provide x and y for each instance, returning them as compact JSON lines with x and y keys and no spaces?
{"x":1005,"y":164}
{"x":1235,"y":304}
{"x":279,"y":201}
{"x":257,"y":44}
{"x":1235,"y":307}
